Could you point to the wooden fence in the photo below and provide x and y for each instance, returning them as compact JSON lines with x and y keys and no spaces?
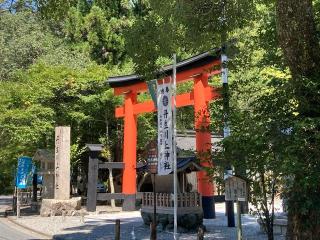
{"x":187,"y":202}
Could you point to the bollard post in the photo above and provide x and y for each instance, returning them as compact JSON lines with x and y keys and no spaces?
{"x":200,"y":233}
{"x":117,"y":230}
{"x":81,"y":216}
{"x":63,"y":214}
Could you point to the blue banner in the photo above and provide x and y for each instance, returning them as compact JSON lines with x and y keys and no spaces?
{"x":24,"y":173}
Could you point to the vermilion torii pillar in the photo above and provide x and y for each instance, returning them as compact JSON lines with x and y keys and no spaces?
{"x":129,"y":151}
{"x":198,"y":69}
{"x":203,"y":144}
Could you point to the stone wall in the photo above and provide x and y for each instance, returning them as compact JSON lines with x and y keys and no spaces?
{"x":186,"y":222}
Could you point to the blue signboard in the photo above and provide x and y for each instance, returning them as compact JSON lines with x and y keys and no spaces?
{"x":24,"y":173}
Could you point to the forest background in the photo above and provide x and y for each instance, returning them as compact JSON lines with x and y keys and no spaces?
{"x":55,"y":57}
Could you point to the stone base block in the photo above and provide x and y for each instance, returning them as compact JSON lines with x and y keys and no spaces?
{"x":54,"y":207}
{"x":208,"y":207}
{"x":129,"y":203}
{"x":186,"y":222}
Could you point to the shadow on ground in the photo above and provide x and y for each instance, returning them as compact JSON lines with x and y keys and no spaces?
{"x":133,"y":228}
{"x":129,"y":229}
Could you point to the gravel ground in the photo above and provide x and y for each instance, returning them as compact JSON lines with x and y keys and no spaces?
{"x":101,"y":226}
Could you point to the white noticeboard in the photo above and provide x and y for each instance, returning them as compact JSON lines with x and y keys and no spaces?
{"x":235,"y":189}
{"x":165,"y":151}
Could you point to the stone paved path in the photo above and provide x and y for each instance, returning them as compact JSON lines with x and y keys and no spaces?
{"x":102,"y":227}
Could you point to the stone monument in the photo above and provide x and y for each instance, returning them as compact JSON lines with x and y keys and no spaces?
{"x":61,"y":204}
{"x":62,"y":163}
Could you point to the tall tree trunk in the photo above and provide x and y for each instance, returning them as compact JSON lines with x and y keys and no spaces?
{"x":298,"y":39}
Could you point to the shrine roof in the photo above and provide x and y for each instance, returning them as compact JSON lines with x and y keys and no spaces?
{"x":182,"y":164}
{"x":187,"y":64}
{"x":44,"y":155}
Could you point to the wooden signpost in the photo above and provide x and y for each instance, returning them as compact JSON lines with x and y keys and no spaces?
{"x":236,"y":190}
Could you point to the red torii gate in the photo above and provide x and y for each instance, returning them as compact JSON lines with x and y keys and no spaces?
{"x":198,"y":68}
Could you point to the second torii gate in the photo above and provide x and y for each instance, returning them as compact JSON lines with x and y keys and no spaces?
{"x":197,"y":69}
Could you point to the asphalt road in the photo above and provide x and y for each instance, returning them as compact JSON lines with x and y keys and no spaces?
{"x":8,"y":230}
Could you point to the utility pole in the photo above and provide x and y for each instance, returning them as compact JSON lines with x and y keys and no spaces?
{"x":225,"y":89}
{"x":226,"y":129}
